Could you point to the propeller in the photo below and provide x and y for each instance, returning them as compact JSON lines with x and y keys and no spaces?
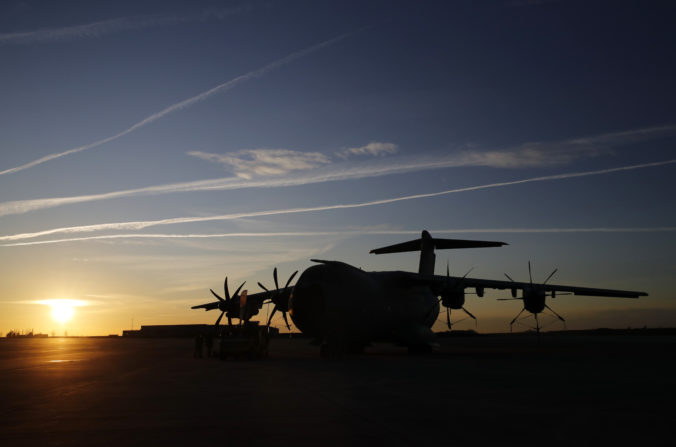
{"x":457,"y":285}
{"x":224,"y":304}
{"x":528,"y":292}
{"x":280,"y":298}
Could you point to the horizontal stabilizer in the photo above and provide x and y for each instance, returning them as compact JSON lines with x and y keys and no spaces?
{"x":417,"y":245}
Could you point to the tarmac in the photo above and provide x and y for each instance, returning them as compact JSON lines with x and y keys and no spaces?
{"x":557,"y":390}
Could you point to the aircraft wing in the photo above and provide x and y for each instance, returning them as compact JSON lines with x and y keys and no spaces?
{"x":584,"y":291}
{"x":258,"y":298}
{"x":261,"y":297}
{"x":439,"y":282}
{"x":588,"y":291}
{"x":207,"y":306}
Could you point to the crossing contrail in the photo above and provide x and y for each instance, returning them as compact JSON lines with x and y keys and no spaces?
{"x":501,"y":159}
{"x":185,"y":103}
{"x":139,"y":225}
{"x":346,"y":233}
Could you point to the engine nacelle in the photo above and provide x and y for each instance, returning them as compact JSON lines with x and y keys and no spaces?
{"x":534,"y":299}
{"x":480,"y":292}
{"x":513,"y":293}
{"x":453,"y":298}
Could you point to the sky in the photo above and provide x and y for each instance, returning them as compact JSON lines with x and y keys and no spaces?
{"x":150,"y":148}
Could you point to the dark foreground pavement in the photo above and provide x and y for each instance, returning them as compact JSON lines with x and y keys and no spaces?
{"x":482,"y":390}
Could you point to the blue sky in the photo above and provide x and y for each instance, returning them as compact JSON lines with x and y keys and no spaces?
{"x":150,"y":148}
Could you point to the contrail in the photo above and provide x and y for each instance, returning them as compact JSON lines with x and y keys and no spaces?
{"x":351,"y":173}
{"x":138,"y":225}
{"x":346,"y":233}
{"x":187,"y":103}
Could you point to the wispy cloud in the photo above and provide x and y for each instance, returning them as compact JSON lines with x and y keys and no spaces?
{"x":247,"y":163}
{"x":537,"y":154}
{"x":186,"y":103}
{"x":138,"y":225}
{"x":374,"y":149}
{"x":112,"y":26}
{"x":554,"y":153}
{"x":356,"y":232}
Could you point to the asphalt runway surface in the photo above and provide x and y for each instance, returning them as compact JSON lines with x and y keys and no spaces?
{"x":480,"y":390}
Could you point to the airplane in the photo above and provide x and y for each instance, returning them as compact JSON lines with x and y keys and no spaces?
{"x":344,"y":308}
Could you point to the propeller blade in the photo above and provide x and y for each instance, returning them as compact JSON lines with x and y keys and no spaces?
{"x":225,"y":287}
{"x":238,"y":289}
{"x":529,"y":274}
{"x":458,"y":284}
{"x":219,"y":318}
{"x":550,"y":276}
{"x":557,"y":315}
{"x":263,"y":287}
{"x":274,"y":275}
{"x":448,"y":317}
{"x":274,"y":309}
{"x":448,"y":271}
{"x":286,"y":321}
{"x":290,"y":279}
{"x":468,"y":313}
{"x":509,"y":277}
{"x":216,"y":295}
{"x":517,"y":316}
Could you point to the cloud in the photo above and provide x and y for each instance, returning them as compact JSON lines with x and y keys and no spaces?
{"x":247,"y":163}
{"x":185,"y":103}
{"x":106,"y":27}
{"x":523,"y":157}
{"x":553,"y":153}
{"x":373,"y":149}
{"x":138,"y":225}
{"x":528,"y":155}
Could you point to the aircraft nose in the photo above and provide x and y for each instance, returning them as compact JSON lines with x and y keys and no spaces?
{"x":306,"y":307}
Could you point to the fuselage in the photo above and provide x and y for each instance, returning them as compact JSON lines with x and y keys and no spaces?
{"x":334,"y":301}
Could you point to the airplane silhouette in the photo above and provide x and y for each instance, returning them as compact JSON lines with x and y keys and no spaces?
{"x":345,"y":308}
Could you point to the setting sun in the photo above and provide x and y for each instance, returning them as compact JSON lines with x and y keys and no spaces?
{"x":63,"y":310}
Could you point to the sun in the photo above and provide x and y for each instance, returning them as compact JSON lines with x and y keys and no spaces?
{"x":63,"y":310}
